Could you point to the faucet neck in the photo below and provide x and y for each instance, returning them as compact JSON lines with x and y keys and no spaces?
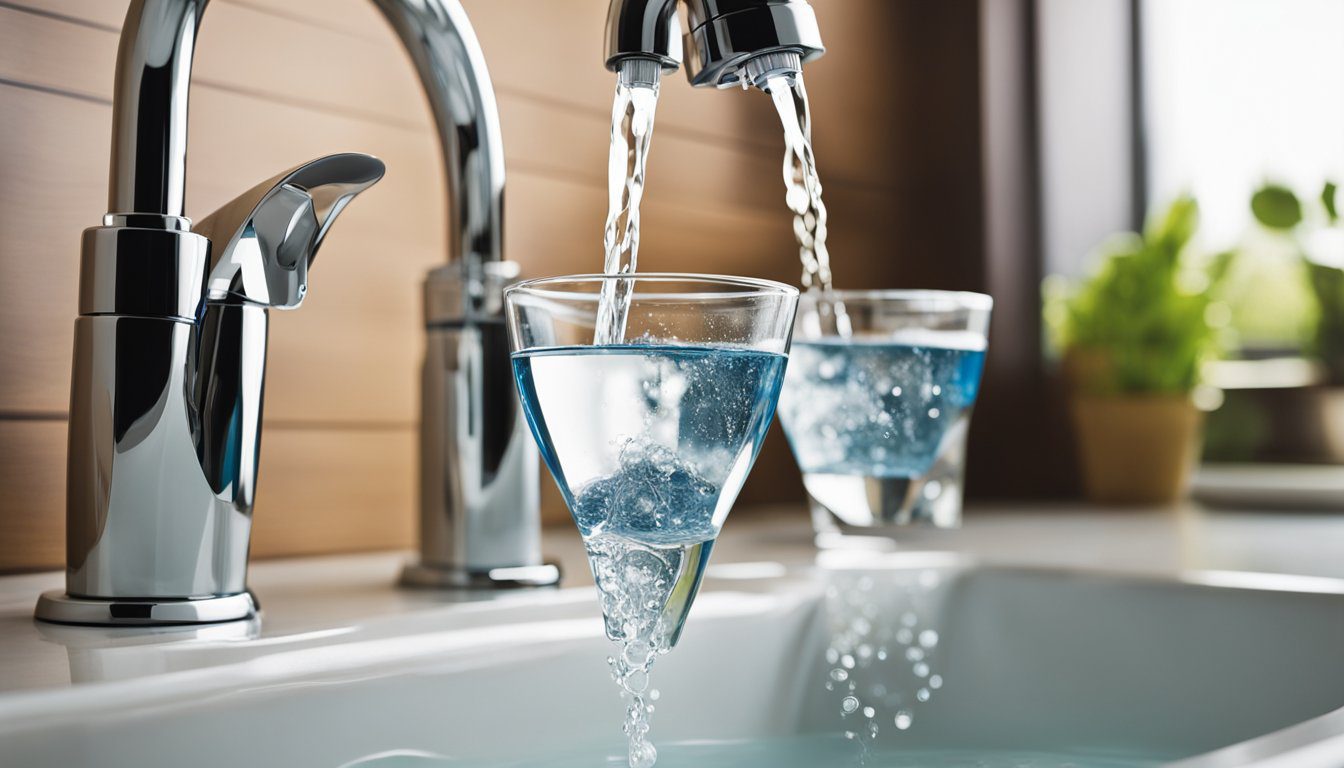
{"x":149,"y":112}
{"x":448,"y":58}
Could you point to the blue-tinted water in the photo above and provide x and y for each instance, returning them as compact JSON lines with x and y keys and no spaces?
{"x":649,"y":442}
{"x":650,"y":445}
{"x":875,"y":408}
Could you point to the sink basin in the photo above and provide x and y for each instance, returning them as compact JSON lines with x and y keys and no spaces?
{"x":950,"y":663}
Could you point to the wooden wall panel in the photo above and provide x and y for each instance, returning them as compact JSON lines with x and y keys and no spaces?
{"x":278,"y":82}
{"x":315,"y":493}
{"x":32,"y":504}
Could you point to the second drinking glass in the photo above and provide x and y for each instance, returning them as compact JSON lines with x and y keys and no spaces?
{"x":877,"y":403}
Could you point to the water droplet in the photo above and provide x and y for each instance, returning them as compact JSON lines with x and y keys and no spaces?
{"x":839,"y":675}
{"x":903,"y":719}
{"x":849,"y":704}
{"x":923,"y":694}
{"x":637,"y":681}
{"x":921,"y":669}
{"x":928,"y":638}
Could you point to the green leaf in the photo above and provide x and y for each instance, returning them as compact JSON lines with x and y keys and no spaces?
{"x":1170,"y":233}
{"x":1328,"y":200}
{"x":1276,"y":207}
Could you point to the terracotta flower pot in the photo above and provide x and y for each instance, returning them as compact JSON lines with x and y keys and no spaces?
{"x":1136,"y":449}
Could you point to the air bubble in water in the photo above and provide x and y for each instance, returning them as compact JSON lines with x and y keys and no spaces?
{"x":903,"y":719}
{"x":849,"y":704}
{"x":637,"y":681}
{"x":928,"y":638}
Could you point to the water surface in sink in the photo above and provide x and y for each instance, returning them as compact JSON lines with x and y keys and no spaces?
{"x":798,"y":752}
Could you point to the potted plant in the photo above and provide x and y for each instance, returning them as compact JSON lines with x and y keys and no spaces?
{"x":1316,"y":233}
{"x":1133,"y":337}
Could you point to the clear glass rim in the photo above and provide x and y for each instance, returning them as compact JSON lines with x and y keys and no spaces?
{"x":959,"y":299}
{"x":750,"y":287}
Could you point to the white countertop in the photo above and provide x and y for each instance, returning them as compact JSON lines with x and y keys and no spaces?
{"x":306,"y":599}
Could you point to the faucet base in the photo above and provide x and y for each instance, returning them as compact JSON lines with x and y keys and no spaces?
{"x":423,"y":576}
{"x":60,"y":608}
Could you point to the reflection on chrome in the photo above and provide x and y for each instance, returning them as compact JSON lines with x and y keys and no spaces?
{"x":882,"y":657}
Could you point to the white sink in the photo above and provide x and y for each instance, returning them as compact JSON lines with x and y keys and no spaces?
{"x":1221,"y":668}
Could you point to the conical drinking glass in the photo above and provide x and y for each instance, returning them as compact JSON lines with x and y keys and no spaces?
{"x":649,"y":439}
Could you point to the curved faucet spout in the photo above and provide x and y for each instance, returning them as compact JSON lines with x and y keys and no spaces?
{"x":149,"y":133}
{"x":448,"y":58}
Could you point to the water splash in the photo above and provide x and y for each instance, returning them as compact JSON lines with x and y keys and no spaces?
{"x":645,"y":592}
{"x":632,"y":114}
{"x":882,"y":660}
{"x":801,"y":181}
{"x":802,"y":186}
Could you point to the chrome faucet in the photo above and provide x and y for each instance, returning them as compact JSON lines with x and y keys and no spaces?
{"x":170,"y":345}
{"x":730,"y":42}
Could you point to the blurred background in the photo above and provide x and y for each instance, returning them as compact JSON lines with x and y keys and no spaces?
{"x":989,"y":145}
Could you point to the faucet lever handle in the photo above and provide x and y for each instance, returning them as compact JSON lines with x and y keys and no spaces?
{"x":262,"y":242}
